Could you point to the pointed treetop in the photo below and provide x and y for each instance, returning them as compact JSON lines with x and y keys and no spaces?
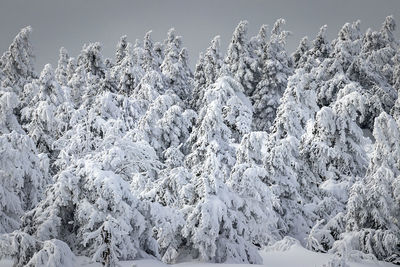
{"x":137,"y":44}
{"x":388,"y":28}
{"x":17,"y":62}
{"x":151,"y":59}
{"x":321,"y":44}
{"x":216,"y":43}
{"x":389,"y":24}
{"x":47,"y":75}
{"x":304,"y":44}
{"x":300,"y":54}
{"x":63,"y":52}
{"x":277,"y":29}
{"x":121,"y":49}
{"x":240,"y":31}
{"x":263,"y":32}
{"x":148,"y":41}
{"x":171,"y":34}
{"x":322,"y":32}
{"x":345,"y":32}
{"x":62,"y":67}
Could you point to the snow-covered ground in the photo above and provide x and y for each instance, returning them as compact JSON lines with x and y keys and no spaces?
{"x":295,"y":256}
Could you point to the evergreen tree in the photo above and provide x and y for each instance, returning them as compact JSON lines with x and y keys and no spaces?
{"x":373,"y":69}
{"x":8,"y":119}
{"x":206,"y":73}
{"x":334,"y":145}
{"x":23,"y":178}
{"x":239,"y":61}
{"x":258,"y":43}
{"x":283,"y":162}
{"x":216,"y":223}
{"x":152,"y":60}
{"x":122,"y":49}
{"x":275,"y":72}
{"x":334,"y":149}
{"x":299,"y":56}
{"x":128,"y":73}
{"x":23,"y":171}
{"x":62,"y":67}
{"x":175,"y":67}
{"x":25,"y":250}
{"x":371,"y":224}
{"x":17,"y":63}
{"x":94,"y":193}
{"x":39,"y":117}
{"x":321,"y":47}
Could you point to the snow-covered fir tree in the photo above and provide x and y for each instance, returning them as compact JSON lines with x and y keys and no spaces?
{"x":175,"y":66}
{"x":282,"y":159}
{"x":275,"y":71}
{"x":17,"y":63}
{"x":370,"y":222}
{"x":207,"y":72}
{"x":62,"y":67}
{"x":239,"y":60}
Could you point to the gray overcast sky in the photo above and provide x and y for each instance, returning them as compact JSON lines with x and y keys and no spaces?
{"x":70,"y":24}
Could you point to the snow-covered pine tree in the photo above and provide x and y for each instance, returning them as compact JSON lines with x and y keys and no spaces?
{"x":71,"y":66}
{"x":91,"y":76}
{"x":62,"y":67}
{"x":170,"y":195}
{"x":236,"y":107}
{"x":25,"y":250}
{"x":206,"y":73}
{"x":333,"y":146}
{"x":175,"y":67}
{"x":239,"y":61}
{"x":150,"y":87}
{"x":334,"y":150}
{"x":17,"y":62}
{"x":299,"y":55}
{"x":152,"y":60}
{"x":23,"y":171}
{"x":330,"y":74}
{"x":23,"y":177}
{"x":347,"y":45}
{"x":128,"y":73}
{"x":258,"y":43}
{"x":215,"y":223}
{"x":90,"y":205}
{"x":39,"y":116}
{"x":276,"y":68}
{"x":282,"y":160}
{"x":110,"y":113}
{"x":8,"y":104}
{"x":371,"y":223}
{"x":259,"y":203}
{"x":91,"y":60}
{"x":373,"y":69}
{"x":321,"y":47}
{"x":122,"y":49}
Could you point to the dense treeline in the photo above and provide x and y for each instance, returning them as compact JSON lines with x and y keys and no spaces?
{"x":139,"y":156}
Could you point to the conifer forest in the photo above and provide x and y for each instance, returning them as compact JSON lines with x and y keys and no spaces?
{"x":141,"y":156}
